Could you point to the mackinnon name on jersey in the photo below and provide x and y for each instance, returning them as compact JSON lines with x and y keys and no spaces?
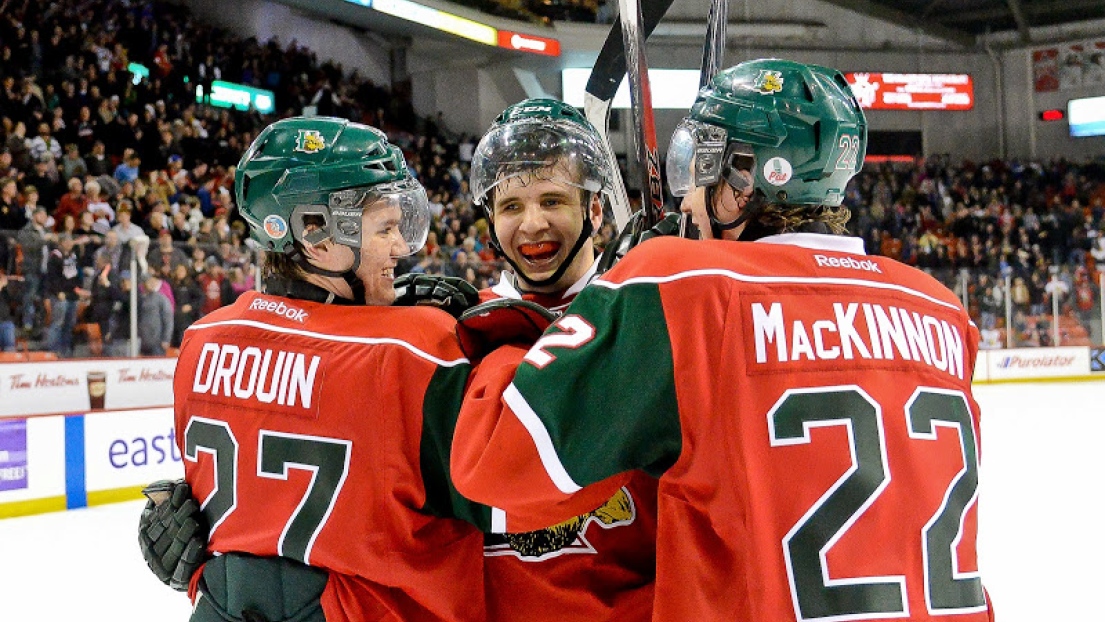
{"x":858,"y":330}
{"x":270,"y":376}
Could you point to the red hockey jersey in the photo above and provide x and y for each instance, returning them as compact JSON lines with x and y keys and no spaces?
{"x":321,"y":433}
{"x":606,"y":573}
{"x":807,"y":408}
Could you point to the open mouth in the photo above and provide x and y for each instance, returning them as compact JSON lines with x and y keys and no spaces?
{"x":539,"y":251}
{"x":388,"y":273}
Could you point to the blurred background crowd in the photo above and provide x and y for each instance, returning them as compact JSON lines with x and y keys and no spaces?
{"x":92,"y":157}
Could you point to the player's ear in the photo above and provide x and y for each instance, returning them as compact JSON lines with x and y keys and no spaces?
{"x":594,"y":210}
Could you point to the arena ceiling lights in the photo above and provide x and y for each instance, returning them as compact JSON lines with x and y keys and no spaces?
{"x":463,"y":27}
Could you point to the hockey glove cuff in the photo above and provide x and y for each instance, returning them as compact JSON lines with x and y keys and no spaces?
{"x":495,"y":323}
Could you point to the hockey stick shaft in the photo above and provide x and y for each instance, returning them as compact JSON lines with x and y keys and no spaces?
{"x":652,"y":200}
{"x":713,"y":50}
{"x":601,"y":87}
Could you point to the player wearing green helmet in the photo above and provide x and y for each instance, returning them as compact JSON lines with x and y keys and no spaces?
{"x":806,"y":408}
{"x":769,"y":146}
{"x":334,"y":204}
{"x":541,"y":174}
{"x":315,"y":435}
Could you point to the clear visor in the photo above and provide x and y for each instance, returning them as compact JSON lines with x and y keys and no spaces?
{"x":566,"y":150}
{"x":694,"y":156}
{"x":347,"y":206}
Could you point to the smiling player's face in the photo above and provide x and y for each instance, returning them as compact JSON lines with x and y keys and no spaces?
{"x":538,"y":220}
{"x":381,"y":245}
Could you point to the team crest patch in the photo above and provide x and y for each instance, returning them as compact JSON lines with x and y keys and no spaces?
{"x":310,"y":141}
{"x":275,"y":226}
{"x":567,"y":538}
{"x":768,"y":82}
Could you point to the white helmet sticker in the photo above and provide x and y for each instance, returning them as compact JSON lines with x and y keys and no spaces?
{"x":777,"y":171}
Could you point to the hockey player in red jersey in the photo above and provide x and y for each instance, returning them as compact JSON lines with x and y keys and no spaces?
{"x":541,"y":174}
{"x":315,"y":429}
{"x":807,"y":409}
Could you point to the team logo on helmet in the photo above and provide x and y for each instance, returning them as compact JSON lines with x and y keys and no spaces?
{"x":310,"y":141}
{"x":768,"y":82}
{"x":275,"y":226}
{"x":777,"y":171}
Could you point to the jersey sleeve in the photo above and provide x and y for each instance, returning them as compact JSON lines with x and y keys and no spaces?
{"x":439,"y":419}
{"x":592,"y":400}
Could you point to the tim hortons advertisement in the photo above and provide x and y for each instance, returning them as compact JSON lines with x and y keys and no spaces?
{"x":62,"y":387}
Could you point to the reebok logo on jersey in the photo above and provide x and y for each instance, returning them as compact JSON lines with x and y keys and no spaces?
{"x":847,"y":262}
{"x":279,"y":308}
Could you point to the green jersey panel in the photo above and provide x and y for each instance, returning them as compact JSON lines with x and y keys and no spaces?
{"x":439,"y":420}
{"x":626,"y":406}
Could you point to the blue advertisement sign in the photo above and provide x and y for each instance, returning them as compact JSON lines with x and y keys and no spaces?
{"x":13,"y":454}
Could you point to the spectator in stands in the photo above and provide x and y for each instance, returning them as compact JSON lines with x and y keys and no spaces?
{"x":164,"y":258}
{"x":155,"y":318}
{"x":63,"y":289}
{"x":72,"y":203}
{"x":7,"y":319}
{"x":34,"y":238}
{"x":189,"y":300}
{"x":44,"y":144}
{"x":129,"y":169}
{"x":211,"y":281}
{"x":12,"y":216}
{"x":104,"y":280}
{"x":98,"y":161}
{"x":118,"y":331}
{"x":124,"y":228}
{"x":46,"y":188}
{"x":72,"y":164}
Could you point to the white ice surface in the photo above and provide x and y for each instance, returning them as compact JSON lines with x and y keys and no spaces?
{"x":81,"y":565}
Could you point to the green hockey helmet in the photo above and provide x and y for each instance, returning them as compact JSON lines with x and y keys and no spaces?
{"x":796,"y":127}
{"x":532,"y":137}
{"x":327,"y":171}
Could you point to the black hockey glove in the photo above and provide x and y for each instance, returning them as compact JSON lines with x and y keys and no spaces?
{"x":498,"y":322}
{"x":172,"y":532}
{"x":449,"y":293}
{"x":630,"y":237}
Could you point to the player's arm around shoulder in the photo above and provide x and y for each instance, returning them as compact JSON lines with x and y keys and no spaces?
{"x":496,"y":460}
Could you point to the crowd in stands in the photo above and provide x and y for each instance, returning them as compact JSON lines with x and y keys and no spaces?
{"x":972,"y":225}
{"x":91,"y":158}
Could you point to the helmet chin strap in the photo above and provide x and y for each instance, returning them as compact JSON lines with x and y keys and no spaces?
{"x":349,"y":275}
{"x":584,"y":235}
{"x":751,"y":209}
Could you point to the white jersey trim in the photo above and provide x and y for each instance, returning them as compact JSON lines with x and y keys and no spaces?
{"x":794,"y":280}
{"x":818,"y":242}
{"x":506,"y":287}
{"x":336,"y":338}
{"x":540,"y":435}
